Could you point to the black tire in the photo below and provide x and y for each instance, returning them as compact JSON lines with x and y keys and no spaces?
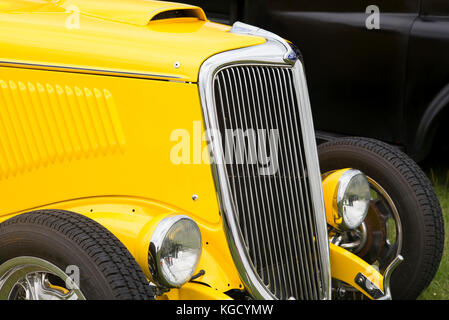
{"x":107,"y":269}
{"x":414,"y":197}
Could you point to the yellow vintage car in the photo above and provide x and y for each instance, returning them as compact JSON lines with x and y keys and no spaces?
{"x":148,"y":153}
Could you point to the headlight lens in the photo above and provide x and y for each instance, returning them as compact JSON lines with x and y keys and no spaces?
{"x":174,"y":252}
{"x":353,"y":198}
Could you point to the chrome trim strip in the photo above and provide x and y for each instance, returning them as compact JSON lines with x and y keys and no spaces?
{"x":243,"y":28}
{"x":273,"y":52}
{"x":314,"y":171}
{"x":84,"y":70}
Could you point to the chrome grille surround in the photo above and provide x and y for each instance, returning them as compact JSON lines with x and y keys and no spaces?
{"x":274,"y":53}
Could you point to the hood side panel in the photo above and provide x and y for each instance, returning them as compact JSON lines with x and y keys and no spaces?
{"x":136,"y":12}
{"x":71,"y":39}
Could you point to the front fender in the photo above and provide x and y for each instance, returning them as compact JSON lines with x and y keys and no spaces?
{"x":348,"y":267}
{"x":133,"y":222}
{"x":195,"y":291}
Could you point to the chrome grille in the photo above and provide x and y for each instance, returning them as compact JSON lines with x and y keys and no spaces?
{"x":275,"y":210}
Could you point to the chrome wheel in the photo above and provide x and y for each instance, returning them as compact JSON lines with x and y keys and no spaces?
{"x":30,"y":278}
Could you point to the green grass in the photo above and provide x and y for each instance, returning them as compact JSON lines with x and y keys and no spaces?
{"x":439,"y":287}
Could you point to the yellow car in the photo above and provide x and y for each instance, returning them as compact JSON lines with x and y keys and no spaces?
{"x":148,"y":153}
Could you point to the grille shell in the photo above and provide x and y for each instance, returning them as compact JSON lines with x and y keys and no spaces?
{"x":274,"y":211}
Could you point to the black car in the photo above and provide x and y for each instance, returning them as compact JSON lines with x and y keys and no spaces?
{"x":376,"y":69}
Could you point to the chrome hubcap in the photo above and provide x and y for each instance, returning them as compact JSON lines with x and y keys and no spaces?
{"x":30,"y":278}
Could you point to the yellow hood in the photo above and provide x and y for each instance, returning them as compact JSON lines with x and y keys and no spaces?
{"x":141,"y":38}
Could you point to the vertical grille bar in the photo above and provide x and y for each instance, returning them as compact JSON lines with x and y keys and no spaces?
{"x":279,"y":241}
{"x":258,"y":105}
{"x":267,"y":192}
{"x":298,"y":252}
{"x":291,"y":108}
{"x":282,"y":190}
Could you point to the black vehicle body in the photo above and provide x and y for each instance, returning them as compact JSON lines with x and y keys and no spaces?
{"x":390,"y":83}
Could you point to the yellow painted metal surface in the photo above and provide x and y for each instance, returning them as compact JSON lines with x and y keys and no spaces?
{"x":345,"y":266}
{"x":136,"y":12}
{"x":88,"y":39}
{"x":195,"y":291}
{"x":41,"y":124}
{"x":120,"y":147}
{"x":330,"y":189}
{"x":107,"y":141}
{"x":25,"y":6}
{"x":133,"y":221}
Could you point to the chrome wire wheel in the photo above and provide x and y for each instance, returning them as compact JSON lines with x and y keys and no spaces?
{"x":31,"y":278}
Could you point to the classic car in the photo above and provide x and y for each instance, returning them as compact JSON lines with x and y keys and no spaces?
{"x":148,"y":153}
{"x":396,"y":71}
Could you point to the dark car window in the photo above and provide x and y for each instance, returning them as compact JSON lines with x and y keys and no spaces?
{"x":403,"y":6}
{"x":435,"y":7}
{"x":221,"y":6}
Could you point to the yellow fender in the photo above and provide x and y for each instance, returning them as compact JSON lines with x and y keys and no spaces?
{"x":348,"y":267}
{"x":133,"y":221}
{"x":195,"y":291}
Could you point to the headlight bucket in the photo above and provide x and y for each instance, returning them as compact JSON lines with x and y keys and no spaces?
{"x":174,"y":251}
{"x":347,"y":198}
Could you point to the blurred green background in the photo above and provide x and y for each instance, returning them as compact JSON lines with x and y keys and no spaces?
{"x":437,"y":169}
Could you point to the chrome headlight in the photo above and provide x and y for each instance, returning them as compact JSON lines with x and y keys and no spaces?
{"x":353,"y":198}
{"x":174,"y":251}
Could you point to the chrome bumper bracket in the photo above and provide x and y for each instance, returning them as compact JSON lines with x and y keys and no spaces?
{"x":368,"y":286}
{"x":387,"y":277}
